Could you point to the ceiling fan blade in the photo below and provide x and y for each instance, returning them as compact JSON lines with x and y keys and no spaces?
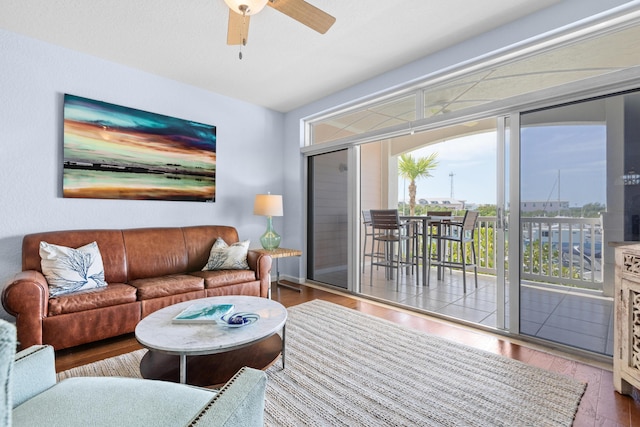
{"x":238,"y":28}
{"x":304,"y":13}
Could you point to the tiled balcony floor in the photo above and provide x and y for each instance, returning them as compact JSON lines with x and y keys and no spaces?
{"x":574,"y":319}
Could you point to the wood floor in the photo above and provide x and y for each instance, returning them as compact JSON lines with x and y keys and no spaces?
{"x":600,"y":406}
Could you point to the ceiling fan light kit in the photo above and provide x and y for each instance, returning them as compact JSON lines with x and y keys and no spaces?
{"x":246,"y":7}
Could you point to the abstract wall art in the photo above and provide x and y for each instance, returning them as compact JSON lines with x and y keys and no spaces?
{"x":115,"y":152}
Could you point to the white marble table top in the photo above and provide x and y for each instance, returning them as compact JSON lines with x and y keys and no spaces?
{"x":157,"y":332}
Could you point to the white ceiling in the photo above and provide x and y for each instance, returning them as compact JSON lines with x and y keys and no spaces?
{"x":285,"y":64}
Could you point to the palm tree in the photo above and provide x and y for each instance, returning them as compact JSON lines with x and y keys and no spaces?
{"x":413,"y":169}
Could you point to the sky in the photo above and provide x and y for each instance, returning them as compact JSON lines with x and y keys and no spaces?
{"x":471,"y":159}
{"x":577,"y":151}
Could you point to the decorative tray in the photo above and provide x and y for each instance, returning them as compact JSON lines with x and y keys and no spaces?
{"x":237,"y":320}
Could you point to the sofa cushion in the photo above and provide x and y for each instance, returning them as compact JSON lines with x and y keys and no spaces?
{"x":154,"y":252}
{"x":111,"y":401}
{"x":157,"y":287}
{"x":71,"y":270}
{"x":71,"y":329}
{"x":225,"y":257}
{"x":114,"y":294}
{"x":217,"y":278}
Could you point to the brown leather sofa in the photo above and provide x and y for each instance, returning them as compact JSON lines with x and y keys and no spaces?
{"x":145,"y":269}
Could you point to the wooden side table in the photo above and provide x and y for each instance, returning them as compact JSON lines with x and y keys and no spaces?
{"x":277,"y":254}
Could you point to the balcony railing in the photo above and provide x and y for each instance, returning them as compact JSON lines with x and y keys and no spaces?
{"x":566,"y":251}
{"x":561,"y":251}
{"x":557,"y":251}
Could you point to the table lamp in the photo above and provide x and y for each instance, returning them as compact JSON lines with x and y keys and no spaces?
{"x":268,"y":205}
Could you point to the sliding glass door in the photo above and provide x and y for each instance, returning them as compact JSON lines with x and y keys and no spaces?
{"x":571,"y":204}
{"x":467,"y":173}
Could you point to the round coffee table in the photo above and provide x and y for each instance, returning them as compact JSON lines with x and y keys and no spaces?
{"x":215,"y":352}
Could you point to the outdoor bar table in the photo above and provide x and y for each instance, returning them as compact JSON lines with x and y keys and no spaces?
{"x":429,"y":221}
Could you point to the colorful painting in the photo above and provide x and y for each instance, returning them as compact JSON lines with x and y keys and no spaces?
{"x":115,"y":152}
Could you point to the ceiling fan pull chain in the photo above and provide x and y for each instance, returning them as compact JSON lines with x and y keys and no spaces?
{"x":243,"y":8}
{"x":244,"y":43}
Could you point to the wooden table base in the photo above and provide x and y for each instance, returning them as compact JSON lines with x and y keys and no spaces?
{"x":212,"y":370}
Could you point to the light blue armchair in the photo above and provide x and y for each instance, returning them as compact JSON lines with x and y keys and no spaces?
{"x":31,"y":397}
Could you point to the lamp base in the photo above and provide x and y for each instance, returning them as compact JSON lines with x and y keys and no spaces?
{"x":270,"y":240}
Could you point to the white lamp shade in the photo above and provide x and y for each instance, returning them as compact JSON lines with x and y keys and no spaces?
{"x":253,"y":6}
{"x":268,"y":205}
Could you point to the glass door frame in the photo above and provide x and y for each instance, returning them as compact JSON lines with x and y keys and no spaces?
{"x":502,"y":183}
{"x":514,"y":253}
{"x":354,"y":229}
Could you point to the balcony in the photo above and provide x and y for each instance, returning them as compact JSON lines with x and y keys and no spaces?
{"x":561,"y":284}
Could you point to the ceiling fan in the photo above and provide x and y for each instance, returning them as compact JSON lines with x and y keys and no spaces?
{"x":303,"y":12}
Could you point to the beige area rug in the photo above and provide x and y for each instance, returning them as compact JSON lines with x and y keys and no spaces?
{"x":352,"y":369}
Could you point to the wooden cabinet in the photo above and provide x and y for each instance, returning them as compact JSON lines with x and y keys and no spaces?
{"x":626,"y":341}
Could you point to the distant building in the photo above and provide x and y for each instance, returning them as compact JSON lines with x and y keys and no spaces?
{"x":543,"y":205}
{"x":443,"y":202}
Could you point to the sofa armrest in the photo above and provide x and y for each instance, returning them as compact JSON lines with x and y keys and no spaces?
{"x":34,"y":371}
{"x":239,"y":403}
{"x":27,"y":299}
{"x":261,"y":265}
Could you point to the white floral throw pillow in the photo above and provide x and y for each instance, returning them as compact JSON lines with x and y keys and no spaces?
{"x":71,"y":270}
{"x":225,"y":257}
